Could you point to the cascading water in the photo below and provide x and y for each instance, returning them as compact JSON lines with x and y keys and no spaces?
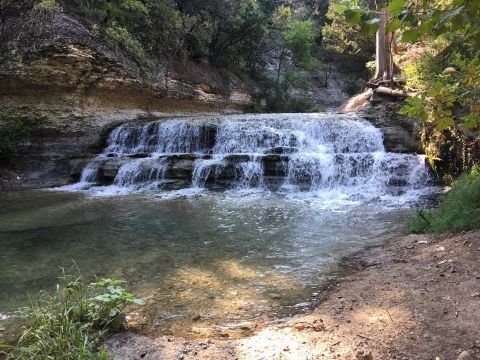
{"x":301,"y":192}
{"x":287,"y":153}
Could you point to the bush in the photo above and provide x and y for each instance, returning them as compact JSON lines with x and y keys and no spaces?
{"x":130,"y":45}
{"x":50,"y":5}
{"x":299,"y":104}
{"x":13,"y":131}
{"x":353,"y":86}
{"x":458,"y":211}
{"x":71,"y":322}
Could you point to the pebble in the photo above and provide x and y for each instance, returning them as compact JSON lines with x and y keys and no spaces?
{"x":364,"y":355}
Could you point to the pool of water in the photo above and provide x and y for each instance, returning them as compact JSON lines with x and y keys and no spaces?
{"x":206,"y":263}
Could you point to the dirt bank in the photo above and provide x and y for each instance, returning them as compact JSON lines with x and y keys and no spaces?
{"x":416,"y":297}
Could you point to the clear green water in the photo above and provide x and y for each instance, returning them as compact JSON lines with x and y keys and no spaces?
{"x":227,"y":258}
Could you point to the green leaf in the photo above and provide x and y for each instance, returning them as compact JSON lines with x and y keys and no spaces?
{"x":103,"y":298}
{"x":410,"y":36}
{"x":395,"y":7}
{"x":137,"y":301}
{"x":353,"y":16}
{"x":340,"y":9}
{"x":444,"y":123}
{"x":393,"y":25}
{"x":371,"y":26}
{"x":113,"y":312}
{"x":448,"y":16}
{"x":470,"y":122}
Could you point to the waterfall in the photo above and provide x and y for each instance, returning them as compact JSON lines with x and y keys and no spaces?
{"x":284,"y":153}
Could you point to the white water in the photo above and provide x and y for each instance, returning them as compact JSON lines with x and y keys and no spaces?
{"x":327,"y":156}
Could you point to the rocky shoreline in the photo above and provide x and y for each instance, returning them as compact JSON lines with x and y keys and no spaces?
{"x":415,"y":297}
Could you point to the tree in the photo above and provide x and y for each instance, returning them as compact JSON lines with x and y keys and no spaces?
{"x":449,"y":100}
{"x":379,"y":17}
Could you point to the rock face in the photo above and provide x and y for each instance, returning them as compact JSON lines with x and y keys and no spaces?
{"x":450,"y":153}
{"x":52,"y":67}
{"x":401,"y":133}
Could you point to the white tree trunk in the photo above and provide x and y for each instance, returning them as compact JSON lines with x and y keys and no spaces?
{"x":383,"y":55}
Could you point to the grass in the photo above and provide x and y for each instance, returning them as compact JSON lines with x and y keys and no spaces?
{"x":71,"y":322}
{"x":458,"y":211}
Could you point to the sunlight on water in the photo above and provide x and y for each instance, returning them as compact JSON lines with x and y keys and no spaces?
{"x":216,"y":220}
{"x":227,"y":258}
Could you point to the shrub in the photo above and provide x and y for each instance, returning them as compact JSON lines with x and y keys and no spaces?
{"x":71,"y":322}
{"x":130,"y":45}
{"x":352,"y":86}
{"x":299,"y":104}
{"x":51,"y":5}
{"x":458,"y":211}
{"x":13,"y":131}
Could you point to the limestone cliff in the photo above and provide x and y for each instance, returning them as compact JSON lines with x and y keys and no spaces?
{"x":53,"y":67}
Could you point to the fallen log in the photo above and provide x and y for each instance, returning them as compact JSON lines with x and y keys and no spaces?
{"x":382,"y":90}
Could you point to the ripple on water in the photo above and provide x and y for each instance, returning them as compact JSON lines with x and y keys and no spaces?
{"x":201,"y":261}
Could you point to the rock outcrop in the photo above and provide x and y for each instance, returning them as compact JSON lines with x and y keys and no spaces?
{"x":401,"y":133}
{"x":54,"y":68}
{"x":450,"y":152}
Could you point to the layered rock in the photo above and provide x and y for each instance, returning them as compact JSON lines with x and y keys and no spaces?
{"x":54,"y":68}
{"x":277,"y":152}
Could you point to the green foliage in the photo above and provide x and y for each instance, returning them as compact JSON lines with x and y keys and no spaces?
{"x":352,"y":86}
{"x":444,"y":93}
{"x":128,"y":43}
{"x":418,"y":18}
{"x":51,"y":5}
{"x":70,"y":323}
{"x":299,"y":104}
{"x":246,"y":37}
{"x":297,"y":79}
{"x":343,"y":38}
{"x":450,"y":86}
{"x":280,"y":98}
{"x":13,"y":130}
{"x":300,"y":39}
{"x":458,"y":211}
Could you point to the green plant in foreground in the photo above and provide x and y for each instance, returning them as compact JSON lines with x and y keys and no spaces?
{"x":71,"y":322}
{"x":458,"y":211}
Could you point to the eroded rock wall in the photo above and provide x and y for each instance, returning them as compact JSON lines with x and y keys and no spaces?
{"x":54,"y":68}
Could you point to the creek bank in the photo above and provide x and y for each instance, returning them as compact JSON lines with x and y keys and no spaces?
{"x":415,"y":297}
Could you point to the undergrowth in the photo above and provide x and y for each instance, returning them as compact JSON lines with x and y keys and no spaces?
{"x":458,"y":211}
{"x":13,"y":130}
{"x":71,"y":322}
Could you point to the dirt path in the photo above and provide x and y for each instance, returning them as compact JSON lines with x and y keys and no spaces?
{"x":417,"y":297}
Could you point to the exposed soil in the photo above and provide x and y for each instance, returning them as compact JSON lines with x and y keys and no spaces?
{"x":416,"y":297}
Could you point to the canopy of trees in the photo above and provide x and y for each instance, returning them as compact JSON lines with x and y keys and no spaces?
{"x":275,"y":42}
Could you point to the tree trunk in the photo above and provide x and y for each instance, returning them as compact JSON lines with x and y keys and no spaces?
{"x":279,"y":73}
{"x":383,"y":54}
